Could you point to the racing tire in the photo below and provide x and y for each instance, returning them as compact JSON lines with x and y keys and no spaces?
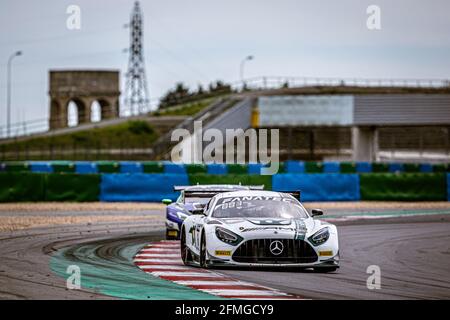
{"x":325,"y":269}
{"x":203,"y":261}
{"x":184,"y":249}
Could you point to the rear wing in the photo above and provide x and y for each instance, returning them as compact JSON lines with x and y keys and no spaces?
{"x":217,"y":190}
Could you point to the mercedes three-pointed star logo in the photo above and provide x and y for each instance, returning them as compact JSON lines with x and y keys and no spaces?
{"x":276,"y":247}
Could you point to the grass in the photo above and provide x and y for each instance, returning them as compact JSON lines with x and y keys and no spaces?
{"x":130,"y":134}
{"x":186,"y":109}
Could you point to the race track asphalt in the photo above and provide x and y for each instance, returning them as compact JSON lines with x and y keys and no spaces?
{"x":412,"y":253}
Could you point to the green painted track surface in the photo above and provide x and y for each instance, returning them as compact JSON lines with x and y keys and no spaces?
{"x":107,"y":268}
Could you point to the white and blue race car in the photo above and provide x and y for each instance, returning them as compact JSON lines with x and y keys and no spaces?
{"x":258,"y":228}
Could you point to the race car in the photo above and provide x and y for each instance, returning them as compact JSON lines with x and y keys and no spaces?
{"x":260,"y":229}
{"x":193,"y":198}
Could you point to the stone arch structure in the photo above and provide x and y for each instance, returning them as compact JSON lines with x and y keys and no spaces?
{"x":83,"y":87}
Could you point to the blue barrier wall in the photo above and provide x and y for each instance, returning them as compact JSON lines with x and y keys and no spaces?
{"x":140,"y":186}
{"x":217,"y":168}
{"x":42,"y":167}
{"x":363,"y":167}
{"x":395,"y":167}
{"x":331,"y":167}
{"x":448,"y":186}
{"x":131,"y":167}
{"x":320,"y":186}
{"x":255,"y":168}
{"x":174,"y":168}
{"x":85,"y":167}
{"x":295,"y":166}
{"x":426,"y":168}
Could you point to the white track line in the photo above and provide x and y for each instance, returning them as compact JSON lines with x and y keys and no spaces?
{"x":164,"y":267}
{"x":159,"y":254}
{"x":173,"y":260}
{"x":222,"y":282}
{"x":160,"y":250}
{"x":185,"y":274}
{"x":246,"y":292}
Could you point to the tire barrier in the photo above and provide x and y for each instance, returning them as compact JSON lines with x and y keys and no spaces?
{"x":380,"y":167}
{"x":448,"y":186}
{"x":152,"y":167}
{"x":295,"y":167}
{"x":363,"y":167}
{"x":313,"y":167}
{"x":255,"y":168}
{"x":331,"y":167}
{"x":441,"y":168}
{"x":237,"y":168}
{"x":16,"y":167}
{"x":154,"y":180}
{"x":85,"y":167}
{"x":217,"y":168}
{"x":320,"y":187}
{"x":140,"y":187}
{"x":63,"y":167}
{"x":131,"y":167}
{"x":404,"y":187}
{"x":347,"y":167}
{"x":72,"y":187}
{"x":396,"y":167}
{"x":108,"y":167}
{"x":196,"y":168}
{"x":173,"y":168}
{"x":41,"y":167}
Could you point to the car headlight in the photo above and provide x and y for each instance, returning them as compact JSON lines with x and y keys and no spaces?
{"x":320,"y":236}
{"x":227,"y":236}
{"x":181,"y":215}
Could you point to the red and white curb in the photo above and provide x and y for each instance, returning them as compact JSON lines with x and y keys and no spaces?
{"x":162,"y":259}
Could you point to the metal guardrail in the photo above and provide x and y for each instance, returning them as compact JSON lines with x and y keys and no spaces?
{"x":276,"y":82}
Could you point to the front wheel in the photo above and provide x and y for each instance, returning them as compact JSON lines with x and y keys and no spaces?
{"x":184,"y":248}
{"x":203,"y":262}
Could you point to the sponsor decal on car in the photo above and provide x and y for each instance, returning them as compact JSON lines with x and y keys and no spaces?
{"x":268,"y":228}
{"x":222,"y":253}
{"x":172,"y":233}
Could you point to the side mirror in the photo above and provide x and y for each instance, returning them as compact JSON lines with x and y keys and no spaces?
{"x":316,"y":212}
{"x":166,"y":201}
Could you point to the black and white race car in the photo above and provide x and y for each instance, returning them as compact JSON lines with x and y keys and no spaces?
{"x":258,"y":228}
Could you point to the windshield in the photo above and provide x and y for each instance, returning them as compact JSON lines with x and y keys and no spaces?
{"x":249,"y":207}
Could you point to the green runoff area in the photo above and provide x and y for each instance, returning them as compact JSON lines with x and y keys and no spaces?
{"x":119,"y":277}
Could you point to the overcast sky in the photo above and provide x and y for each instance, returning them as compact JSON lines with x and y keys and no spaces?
{"x":200,"y":41}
